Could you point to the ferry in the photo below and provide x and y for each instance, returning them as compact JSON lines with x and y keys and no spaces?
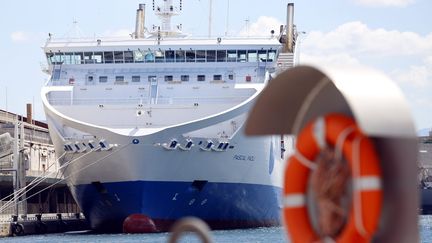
{"x":153,"y":123}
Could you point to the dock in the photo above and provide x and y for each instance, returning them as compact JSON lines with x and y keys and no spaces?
{"x":34,"y":198}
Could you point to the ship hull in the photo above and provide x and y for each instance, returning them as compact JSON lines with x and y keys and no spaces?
{"x":221,"y":205}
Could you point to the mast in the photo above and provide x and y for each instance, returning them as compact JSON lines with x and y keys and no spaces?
{"x":210,"y":18}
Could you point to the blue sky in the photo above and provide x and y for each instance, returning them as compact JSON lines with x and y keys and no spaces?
{"x":394,"y":36}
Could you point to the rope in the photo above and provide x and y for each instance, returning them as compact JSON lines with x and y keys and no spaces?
{"x":73,"y":173}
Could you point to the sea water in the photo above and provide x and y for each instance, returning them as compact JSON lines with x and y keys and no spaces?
{"x":259,"y":235}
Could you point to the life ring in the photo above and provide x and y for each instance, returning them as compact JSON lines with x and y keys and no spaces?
{"x":342,"y":131}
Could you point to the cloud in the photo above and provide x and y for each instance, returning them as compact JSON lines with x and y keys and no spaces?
{"x":20,"y":36}
{"x":261,"y":27}
{"x":357,"y":38}
{"x":384,"y":3}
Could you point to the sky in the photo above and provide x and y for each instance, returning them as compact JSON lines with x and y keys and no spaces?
{"x":393,"y":36}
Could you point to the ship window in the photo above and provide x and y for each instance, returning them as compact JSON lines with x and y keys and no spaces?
{"x":68,"y":58}
{"x":149,"y":56}
{"x":200,"y":56}
{"x":200,"y":77}
{"x":221,"y":56}
{"x":262,"y":55}
{"x":138,"y":56}
{"x":136,"y":78}
{"x":119,"y":78}
{"x":271,"y":55}
{"x":102,"y":79}
{"x":57,"y":58}
{"x":118,"y":57}
{"x":152,"y":78}
{"x":128,"y":56}
{"x":108,"y":57}
{"x":78,"y":57}
{"x":49,"y":57}
{"x":184,"y":78}
{"x":97,"y":57}
{"x":231,"y":76}
{"x":88,"y":58}
{"x":232,"y":55}
{"x":252,"y":56}
{"x":169,"y":56}
{"x":168,"y":78}
{"x":159,"y":56}
{"x":217,"y":77}
{"x":190,"y":56}
{"x":90,"y":78}
{"x":241,"y":56}
{"x":211,"y":56}
{"x":180,"y":56}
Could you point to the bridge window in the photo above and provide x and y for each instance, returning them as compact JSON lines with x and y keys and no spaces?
{"x":138,"y":56}
{"x":108,"y":57}
{"x":97,"y":57}
{"x":149,"y":56}
{"x":232,"y":56}
{"x":271,"y":55}
{"x":168,"y":78}
{"x":252,"y":56}
{"x":102,"y":79}
{"x":128,"y":57}
{"x":119,"y":78}
{"x":180,"y":56}
{"x":136,"y":79}
{"x":221,"y":55}
{"x":159,"y":56}
{"x":211,"y":56}
{"x":262,"y":56}
{"x":118,"y":57}
{"x":200,"y":56}
{"x":190,"y":56}
{"x":169,"y":56}
{"x":241,"y":56}
{"x":200,"y":77}
{"x":88,"y":58}
{"x":184,"y":78}
{"x":68,"y":58}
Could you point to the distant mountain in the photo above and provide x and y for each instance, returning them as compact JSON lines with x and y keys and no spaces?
{"x":423,"y":132}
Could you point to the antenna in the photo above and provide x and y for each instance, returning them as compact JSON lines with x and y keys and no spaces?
{"x":210,"y":18}
{"x":227,"y":18}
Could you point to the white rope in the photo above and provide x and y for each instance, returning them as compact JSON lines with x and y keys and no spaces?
{"x":39,"y":180}
{"x":36,"y":180}
{"x":73,"y":173}
{"x":305,"y":161}
{"x":319,"y":132}
{"x":340,"y":142}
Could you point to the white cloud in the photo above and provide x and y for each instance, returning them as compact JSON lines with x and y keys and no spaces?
{"x":358,"y":39}
{"x":261,"y":27}
{"x":384,"y":3}
{"x":19,"y":36}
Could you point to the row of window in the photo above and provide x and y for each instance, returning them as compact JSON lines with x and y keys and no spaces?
{"x":152,"y":78}
{"x":151,"y":56}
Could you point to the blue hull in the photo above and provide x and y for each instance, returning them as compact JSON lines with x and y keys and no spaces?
{"x":221,"y":205}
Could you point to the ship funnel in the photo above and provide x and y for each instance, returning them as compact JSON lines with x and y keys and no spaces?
{"x":139,"y":25}
{"x":289,"y":44}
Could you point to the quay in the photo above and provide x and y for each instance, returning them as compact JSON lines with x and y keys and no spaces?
{"x":425,"y":173}
{"x":34,"y":198}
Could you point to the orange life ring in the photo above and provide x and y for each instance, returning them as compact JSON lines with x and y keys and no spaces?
{"x":359,"y":151}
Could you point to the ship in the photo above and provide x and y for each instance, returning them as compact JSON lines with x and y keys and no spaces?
{"x":153,"y":124}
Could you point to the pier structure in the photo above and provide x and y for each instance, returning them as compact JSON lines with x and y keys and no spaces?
{"x":24,"y":162}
